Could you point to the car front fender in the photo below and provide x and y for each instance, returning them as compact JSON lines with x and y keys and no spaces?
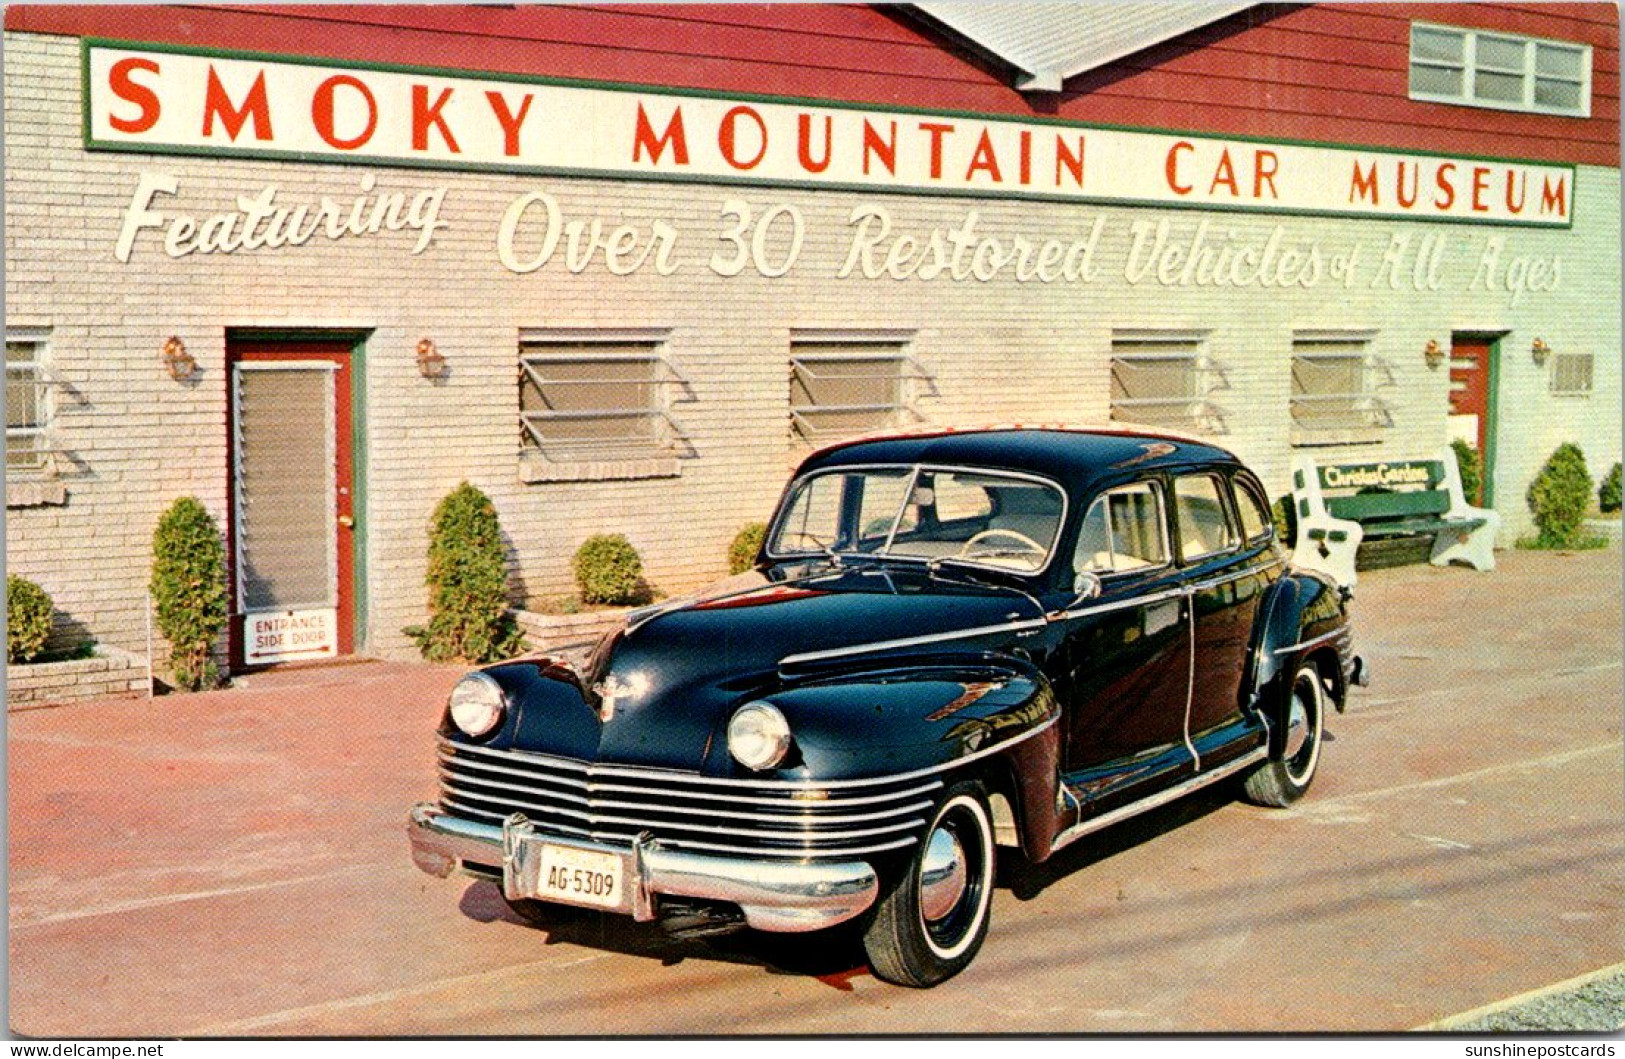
{"x":547,"y":710}
{"x":893,"y":721}
{"x":995,"y":716}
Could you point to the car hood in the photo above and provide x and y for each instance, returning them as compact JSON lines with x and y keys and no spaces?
{"x":659,"y":691}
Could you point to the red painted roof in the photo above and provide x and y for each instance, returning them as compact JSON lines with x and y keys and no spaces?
{"x":1334,"y":73}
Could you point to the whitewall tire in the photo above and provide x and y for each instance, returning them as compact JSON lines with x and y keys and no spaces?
{"x":932,"y":918}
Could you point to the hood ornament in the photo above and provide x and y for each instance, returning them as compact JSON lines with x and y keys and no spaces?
{"x":612,"y":689}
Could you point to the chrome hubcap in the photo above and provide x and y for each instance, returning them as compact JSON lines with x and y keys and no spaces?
{"x":1297,"y":728}
{"x":943,"y":877}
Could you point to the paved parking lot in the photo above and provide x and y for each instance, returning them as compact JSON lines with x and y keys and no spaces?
{"x":234,"y":863}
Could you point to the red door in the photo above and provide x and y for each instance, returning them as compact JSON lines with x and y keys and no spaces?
{"x":292,"y":503}
{"x":1470,"y":395}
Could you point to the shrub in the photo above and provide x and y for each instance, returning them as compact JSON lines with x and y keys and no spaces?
{"x":608,"y":570}
{"x":1285,"y":516}
{"x":1471,"y":467}
{"x":28,"y":619}
{"x":1558,"y":497}
{"x":746,"y":544}
{"x":1608,"y":493}
{"x":189,"y":590}
{"x":469,"y":617}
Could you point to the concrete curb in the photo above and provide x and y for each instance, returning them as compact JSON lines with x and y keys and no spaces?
{"x":1453,"y":1022}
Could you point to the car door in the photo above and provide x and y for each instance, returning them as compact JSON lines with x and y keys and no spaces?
{"x":1227,"y":572}
{"x":1126,"y":653}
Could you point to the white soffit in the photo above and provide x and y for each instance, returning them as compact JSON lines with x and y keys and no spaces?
{"x":1050,"y":42}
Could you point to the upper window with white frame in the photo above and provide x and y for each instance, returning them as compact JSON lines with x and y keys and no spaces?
{"x":596,"y":395}
{"x":1335,"y":378}
{"x":1166,"y":379}
{"x":1501,"y":71}
{"x":28,"y":404}
{"x":846,"y":383}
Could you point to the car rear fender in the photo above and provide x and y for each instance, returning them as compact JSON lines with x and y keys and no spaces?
{"x":1305,"y":617}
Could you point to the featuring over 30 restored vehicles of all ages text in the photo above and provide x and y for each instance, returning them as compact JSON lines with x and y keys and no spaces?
{"x":953,"y":647}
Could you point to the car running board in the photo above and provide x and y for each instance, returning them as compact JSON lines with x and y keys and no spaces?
{"x":1163,"y":797}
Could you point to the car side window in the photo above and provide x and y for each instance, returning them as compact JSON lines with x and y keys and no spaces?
{"x":1204,"y":524}
{"x":1123,"y":531}
{"x":1255,"y":518}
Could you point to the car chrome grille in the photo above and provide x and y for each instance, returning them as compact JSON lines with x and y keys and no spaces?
{"x":685,"y":811}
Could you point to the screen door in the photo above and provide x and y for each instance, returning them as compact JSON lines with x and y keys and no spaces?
{"x":287,"y":502}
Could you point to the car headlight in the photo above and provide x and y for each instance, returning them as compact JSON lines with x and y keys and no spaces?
{"x":758,"y":735}
{"x":477,"y":704}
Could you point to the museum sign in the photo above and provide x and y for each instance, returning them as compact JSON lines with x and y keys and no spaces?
{"x":153,"y":99}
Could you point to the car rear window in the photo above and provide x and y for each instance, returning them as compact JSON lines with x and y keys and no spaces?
{"x":1255,"y":516}
{"x":1204,"y":525}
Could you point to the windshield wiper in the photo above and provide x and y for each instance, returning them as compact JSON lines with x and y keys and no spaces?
{"x":934,"y":568}
{"x":998,"y":553}
{"x":827,"y":548}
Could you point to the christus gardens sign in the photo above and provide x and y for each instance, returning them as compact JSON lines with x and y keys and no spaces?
{"x":1377,"y":475}
{"x":153,"y":99}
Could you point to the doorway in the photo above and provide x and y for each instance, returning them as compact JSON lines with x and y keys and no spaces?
{"x":1474,"y":363}
{"x":292,"y":501}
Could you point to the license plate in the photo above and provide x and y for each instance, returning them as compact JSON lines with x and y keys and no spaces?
{"x":579,"y":877}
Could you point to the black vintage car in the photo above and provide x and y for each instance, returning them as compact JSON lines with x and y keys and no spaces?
{"x":953,"y":647}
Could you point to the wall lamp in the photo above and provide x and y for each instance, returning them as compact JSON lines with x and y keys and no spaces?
{"x":179,"y":363}
{"x":431,"y":363}
{"x":1433,"y":353}
{"x":1540,"y":351}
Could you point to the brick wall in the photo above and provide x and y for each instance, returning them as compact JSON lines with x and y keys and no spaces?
{"x":998,"y":350}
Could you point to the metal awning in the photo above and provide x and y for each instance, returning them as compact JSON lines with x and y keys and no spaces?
{"x":1050,"y":42}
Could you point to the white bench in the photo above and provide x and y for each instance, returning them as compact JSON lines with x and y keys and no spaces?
{"x":1339,"y":505}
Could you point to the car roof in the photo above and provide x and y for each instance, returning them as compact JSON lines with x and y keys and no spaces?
{"x":1080,"y":458}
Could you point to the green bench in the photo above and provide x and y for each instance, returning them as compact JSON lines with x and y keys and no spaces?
{"x":1339,"y":505}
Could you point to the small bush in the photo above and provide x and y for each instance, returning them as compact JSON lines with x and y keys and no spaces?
{"x":1471,"y":466}
{"x":1285,"y":516}
{"x":746,"y":544}
{"x":1558,"y":497}
{"x":469,"y":617}
{"x":189,"y":590}
{"x":28,"y":619}
{"x":608,"y":570}
{"x":1608,"y":493}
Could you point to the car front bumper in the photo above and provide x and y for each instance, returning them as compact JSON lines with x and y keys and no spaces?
{"x":774,"y":895}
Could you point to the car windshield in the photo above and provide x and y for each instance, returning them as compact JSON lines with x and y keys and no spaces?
{"x":980,"y":517}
